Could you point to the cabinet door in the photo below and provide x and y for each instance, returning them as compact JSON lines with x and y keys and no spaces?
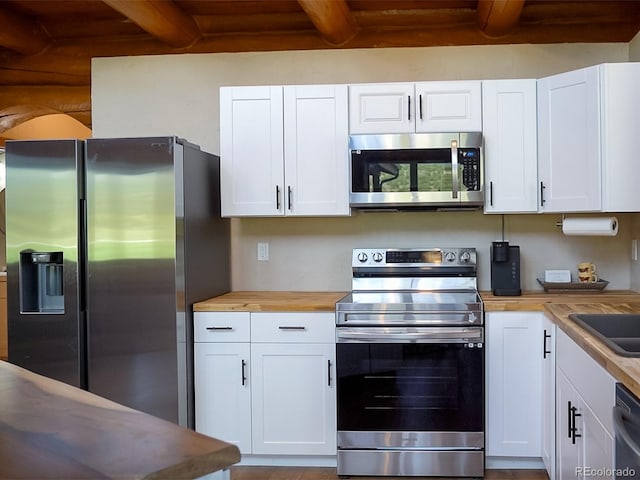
{"x":620,"y":103}
{"x":449,"y":106}
{"x":222,"y":393}
{"x":569,"y":451}
{"x":510,"y":146}
{"x":293,"y":398}
{"x":549,"y":397}
{"x":251,"y":151}
{"x":569,"y":142}
{"x":316,"y":150}
{"x":598,"y":447}
{"x":382,"y":108}
{"x":514,"y":383}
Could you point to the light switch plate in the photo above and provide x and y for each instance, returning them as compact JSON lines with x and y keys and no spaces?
{"x":263,"y":251}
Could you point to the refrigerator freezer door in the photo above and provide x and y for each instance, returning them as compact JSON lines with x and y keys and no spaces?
{"x":44,"y":257}
{"x":132,"y":286}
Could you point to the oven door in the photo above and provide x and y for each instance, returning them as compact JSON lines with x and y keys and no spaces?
{"x":413,"y":387}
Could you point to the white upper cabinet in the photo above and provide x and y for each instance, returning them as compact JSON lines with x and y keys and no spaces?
{"x":251,"y":150}
{"x":284,"y":151}
{"x":586,"y":139}
{"x":415,"y":107}
{"x":316,"y":150}
{"x":382,"y":108}
{"x":449,"y":106}
{"x":509,"y":123}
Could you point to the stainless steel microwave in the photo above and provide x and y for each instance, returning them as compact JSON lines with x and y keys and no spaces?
{"x":421,"y":170}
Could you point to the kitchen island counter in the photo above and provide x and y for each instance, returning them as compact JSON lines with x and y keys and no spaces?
{"x":50,"y":430}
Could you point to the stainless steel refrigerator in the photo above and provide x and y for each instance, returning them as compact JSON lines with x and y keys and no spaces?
{"x":109,"y":244}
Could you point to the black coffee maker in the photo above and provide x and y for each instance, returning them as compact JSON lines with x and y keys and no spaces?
{"x":505,"y":269}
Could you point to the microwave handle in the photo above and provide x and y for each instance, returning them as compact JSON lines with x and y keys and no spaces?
{"x":454,"y":167}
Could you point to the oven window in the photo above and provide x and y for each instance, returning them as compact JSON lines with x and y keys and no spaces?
{"x":413,"y":170}
{"x":410,"y":387}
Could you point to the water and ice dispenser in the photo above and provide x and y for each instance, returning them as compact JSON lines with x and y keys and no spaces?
{"x":41,"y":282}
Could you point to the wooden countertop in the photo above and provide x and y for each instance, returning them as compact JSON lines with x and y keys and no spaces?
{"x":50,"y":430}
{"x":267,"y":301}
{"x":262,"y":301}
{"x":624,"y":369}
{"x":535,"y":301}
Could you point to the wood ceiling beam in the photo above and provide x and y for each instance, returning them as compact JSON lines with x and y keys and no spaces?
{"x":161,"y":18}
{"x":332,"y":18}
{"x":498,"y":17}
{"x":21,"y":35}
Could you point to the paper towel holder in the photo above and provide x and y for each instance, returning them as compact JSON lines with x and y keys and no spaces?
{"x":614,"y":225}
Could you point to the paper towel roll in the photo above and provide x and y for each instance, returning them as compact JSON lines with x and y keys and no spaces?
{"x":594,"y":226}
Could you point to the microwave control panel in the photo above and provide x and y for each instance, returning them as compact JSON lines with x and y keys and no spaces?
{"x":469,"y":159}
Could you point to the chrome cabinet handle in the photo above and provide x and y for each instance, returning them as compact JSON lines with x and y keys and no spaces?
{"x":454,"y":167}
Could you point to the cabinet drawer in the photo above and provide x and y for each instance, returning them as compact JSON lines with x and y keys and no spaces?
{"x":293,"y":327}
{"x":221,"y":326}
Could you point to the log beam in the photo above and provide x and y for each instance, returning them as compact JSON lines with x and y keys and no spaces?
{"x":497,"y":18}
{"x":332,"y":18}
{"x":37,"y":101}
{"x":161,"y":18}
{"x":21,"y":35}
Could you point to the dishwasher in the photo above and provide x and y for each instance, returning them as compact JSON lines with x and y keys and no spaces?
{"x":626,"y":425}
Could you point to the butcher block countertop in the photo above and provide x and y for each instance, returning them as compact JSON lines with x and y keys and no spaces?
{"x":623,"y":369}
{"x":535,"y":301}
{"x":262,"y":301}
{"x":50,"y":430}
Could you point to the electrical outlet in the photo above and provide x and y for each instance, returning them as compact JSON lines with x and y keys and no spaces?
{"x":634,"y":250}
{"x":263,"y":251}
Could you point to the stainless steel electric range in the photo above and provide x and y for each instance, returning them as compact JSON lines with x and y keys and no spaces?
{"x":410,"y":365}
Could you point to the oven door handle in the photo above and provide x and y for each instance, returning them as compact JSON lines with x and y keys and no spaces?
{"x":622,"y":434}
{"x":395,"y":335}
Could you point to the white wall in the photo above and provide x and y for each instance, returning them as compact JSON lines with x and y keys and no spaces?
{"x":178,"y":95}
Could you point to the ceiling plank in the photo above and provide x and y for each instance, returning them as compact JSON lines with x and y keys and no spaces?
{"x":161,"y":18}
{"x":20,"y":34}
{"x":332,"y":18}
{"x":498,"y":17}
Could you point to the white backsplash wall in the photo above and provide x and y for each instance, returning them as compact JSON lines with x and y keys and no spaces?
{"x":179,"y":95}
{"x":315,"y":253}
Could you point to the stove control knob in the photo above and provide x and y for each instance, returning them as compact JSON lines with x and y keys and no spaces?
{"x":465,"y":257}
{"x":450,"y":257}
{"x":362,"y":257}
{"x":377,"y":257}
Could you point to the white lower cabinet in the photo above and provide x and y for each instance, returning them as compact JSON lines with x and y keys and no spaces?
{"x":222,"y":378}
{"x":549,"y":396}
{"x":585,"y":395}
{"x":270,"y":389}
{"x":514,"y":384}
{"x":293,"y":399}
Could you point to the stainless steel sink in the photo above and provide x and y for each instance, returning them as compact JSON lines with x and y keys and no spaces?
{"x":619,"y":331}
